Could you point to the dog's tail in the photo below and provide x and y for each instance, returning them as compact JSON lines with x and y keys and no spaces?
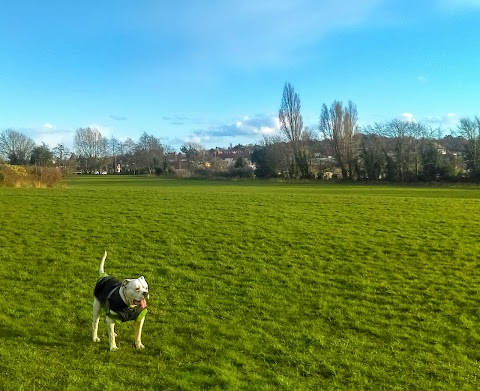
{"x":102,"y":264}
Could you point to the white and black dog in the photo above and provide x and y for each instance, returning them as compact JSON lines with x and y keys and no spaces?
{"x":122,"y":301}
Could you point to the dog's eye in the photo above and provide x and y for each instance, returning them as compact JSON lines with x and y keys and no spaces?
{"x":137,"y":289}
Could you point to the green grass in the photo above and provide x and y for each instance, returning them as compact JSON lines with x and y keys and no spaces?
{"x":253,"y":286}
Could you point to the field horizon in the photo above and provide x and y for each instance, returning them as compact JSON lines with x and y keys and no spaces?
{"x":253,"y":285}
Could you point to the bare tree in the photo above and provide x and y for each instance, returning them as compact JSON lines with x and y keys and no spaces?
{"x":470,"y":130}
{"x":16,"y":147}
{"x":339,"y":125}
{"x":149,"y":153}
{"x":398,"y":155}
{"x":91,"y":146}
{"x":127,"y":147}
{"x":372,"y":152}
{"x":60,"y":152}
{"x":61,"y":155}
{"x":277,"y":157}
{"x":408,"y":147}
{"x":194,"y":152}
{"x":291,"y":125}
{"x":406,"y":137}
{"x":114,"y":147}
{"x":291,"y":121}
{"x":126,"y":157}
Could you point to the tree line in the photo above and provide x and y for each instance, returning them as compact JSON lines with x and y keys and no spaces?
{"x":92,"y":152}
{"x":95,"y":154}
{"x":395,"y":150}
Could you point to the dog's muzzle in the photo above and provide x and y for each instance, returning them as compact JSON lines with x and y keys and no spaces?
{"x":143,"y":302}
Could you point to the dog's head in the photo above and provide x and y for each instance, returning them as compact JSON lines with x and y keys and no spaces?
{"x":136,"y":291}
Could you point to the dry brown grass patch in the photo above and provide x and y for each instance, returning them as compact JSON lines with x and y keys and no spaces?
{"x":29,"y":176}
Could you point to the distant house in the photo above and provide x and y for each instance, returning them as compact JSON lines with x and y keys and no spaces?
{"x":229,"y":160}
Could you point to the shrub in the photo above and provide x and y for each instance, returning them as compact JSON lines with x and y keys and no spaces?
{"x":29,"y":176}
{"x":241,"y":172}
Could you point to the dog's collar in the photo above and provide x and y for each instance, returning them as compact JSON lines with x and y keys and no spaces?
{"x":121,"y":291}
{"x":125,"y":312}
{"x":124,"y":297}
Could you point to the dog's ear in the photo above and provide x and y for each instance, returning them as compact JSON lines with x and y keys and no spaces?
{"x":141,"y":278}
{"x":126,"y":281}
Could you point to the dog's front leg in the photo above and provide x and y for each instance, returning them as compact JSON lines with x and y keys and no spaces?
{"x":111,"y":334}
{"x":138,"y":334}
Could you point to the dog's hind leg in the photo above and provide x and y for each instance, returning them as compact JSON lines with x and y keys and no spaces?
{"x":97,"y":308}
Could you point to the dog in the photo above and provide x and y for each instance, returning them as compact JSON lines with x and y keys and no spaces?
{"x":122,"y":301}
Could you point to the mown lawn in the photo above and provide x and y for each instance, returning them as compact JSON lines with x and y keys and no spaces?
{"x":254,"y":286}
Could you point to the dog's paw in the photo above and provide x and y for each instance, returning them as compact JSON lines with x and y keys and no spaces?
{"x":113,"y":348}
{"x":96,"y":339}
{"x":139,"y":345}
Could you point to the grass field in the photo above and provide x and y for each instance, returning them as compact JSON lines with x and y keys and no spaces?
{"x":253,"y":286}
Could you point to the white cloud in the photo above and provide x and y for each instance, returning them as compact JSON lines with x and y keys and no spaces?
{"x":49,"y":135}
{"x":447,"y":121}
{"x":258,"y":125}
{"x":422,"y":79}
{"x":197,"y":139}
{"x":248,"y":126}
{"x":104,"y":130}
{"x":443,"y":121}
{"x":246,"y":130}
{"x":408,"y":117}
{"x":51,"y":139}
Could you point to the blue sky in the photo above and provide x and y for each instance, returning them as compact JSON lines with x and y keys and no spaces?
{"x":213,"y":71}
